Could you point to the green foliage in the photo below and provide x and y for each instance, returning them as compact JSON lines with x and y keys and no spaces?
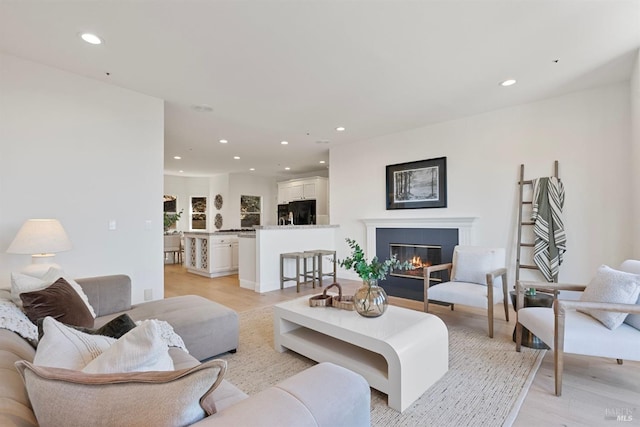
{"x":374,"y":270}
{"x":170,"y":219}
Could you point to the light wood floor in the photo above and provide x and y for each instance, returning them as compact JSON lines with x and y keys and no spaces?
{"x":591,"y":385}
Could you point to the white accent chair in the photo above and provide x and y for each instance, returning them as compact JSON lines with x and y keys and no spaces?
{"x":476,"y":275}
{"x":566,"y":330}
{"x":173,"y":246}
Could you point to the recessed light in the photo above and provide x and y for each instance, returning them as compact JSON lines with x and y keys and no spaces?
{"x":508,"y":82}
{"x":236,"y":157}
{"x":202,"y":108}
{"x":180,"y":171}
{"x":284,"y":142}
{"x":177,"y":157}
{"x":91,"y":38}
{"x":287,"y":168}
{"x":252,"y":169}
{"x":340,"y":129}
{"x":223,"y":141}
{"x":322,"y":162}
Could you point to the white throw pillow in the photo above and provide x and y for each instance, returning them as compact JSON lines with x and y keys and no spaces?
{"x":140,"y":349}
{"x":472,"y":264}
{"x":65,"y":347}
{"x":611,"y":286}
{"x":21,"y":283}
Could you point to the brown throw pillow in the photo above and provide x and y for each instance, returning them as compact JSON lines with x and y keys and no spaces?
{"x":60,"y":301}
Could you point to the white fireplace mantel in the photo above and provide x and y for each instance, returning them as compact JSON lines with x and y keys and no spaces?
{"x":463,"y":224}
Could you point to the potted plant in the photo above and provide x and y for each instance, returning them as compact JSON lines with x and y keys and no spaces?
{"x":370,"y":300}
{"x":170,"y":219}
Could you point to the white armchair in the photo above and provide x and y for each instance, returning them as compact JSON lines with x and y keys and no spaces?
{"x":477,"y":278}
{"x":566,"y":330}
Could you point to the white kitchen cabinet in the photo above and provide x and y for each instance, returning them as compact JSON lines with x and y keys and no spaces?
{"x":283,"y":194}
{"x":211,"y":255}
{"x":220,"y":256}
{"x":234,"y":255}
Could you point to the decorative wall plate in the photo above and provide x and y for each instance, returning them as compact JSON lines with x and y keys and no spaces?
{"x":217,"y":201}
{"x":218,"y":221}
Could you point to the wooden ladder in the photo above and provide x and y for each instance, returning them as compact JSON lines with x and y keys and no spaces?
{"x":521,"y":223}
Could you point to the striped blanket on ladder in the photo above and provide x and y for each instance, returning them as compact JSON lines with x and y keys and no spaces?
{"x":550,"y":238}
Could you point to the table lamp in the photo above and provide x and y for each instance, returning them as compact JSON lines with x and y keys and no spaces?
{"x":40,"y":238}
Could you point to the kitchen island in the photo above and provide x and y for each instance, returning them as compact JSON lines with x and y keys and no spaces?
{"x":261,"y":254}
{"x":211,"y":254}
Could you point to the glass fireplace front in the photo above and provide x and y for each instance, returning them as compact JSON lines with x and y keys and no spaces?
{"x":419,"y":256}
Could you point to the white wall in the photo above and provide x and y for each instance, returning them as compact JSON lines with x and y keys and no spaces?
{"x":587,"y":132}
{"x":230,"y":187}
{"x":219,"y":184}
{"x":83,"y":152}
{"x":635,"y":157}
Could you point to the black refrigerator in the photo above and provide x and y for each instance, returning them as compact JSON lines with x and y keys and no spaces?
{"x":304,"y":212}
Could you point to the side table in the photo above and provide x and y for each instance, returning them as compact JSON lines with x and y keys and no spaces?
{"x":537,"y":300}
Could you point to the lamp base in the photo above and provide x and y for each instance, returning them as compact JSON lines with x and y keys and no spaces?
{"x":40,"y":264}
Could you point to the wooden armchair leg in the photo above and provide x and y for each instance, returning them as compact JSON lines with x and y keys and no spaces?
{"x":490,"y":327}
{"x":559,"y":365}
{"x":490,"y":304}
{"x":518,"y":336}
{"x":558,"y":344}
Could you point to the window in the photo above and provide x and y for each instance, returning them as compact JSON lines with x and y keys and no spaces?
{"x":198,"y":213}
{"x":170,"y":212}
{"x":250,"y":207}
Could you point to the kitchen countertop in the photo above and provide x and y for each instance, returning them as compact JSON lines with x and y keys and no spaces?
{"x":220,"y":233}
{"x":292,"y":227}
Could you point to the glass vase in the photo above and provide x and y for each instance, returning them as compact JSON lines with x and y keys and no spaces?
{"x":370,"y":300}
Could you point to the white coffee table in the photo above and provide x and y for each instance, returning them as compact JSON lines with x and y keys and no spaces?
{"x":401,"y":353}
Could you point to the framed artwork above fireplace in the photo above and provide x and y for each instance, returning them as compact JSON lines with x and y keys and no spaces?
{"x":417,"y":185}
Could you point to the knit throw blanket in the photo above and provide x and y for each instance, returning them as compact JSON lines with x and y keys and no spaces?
{"x":550,"y":238}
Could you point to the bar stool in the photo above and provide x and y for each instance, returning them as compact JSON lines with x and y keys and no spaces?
{"x":321,"y":253}
{"x":306,"y":275}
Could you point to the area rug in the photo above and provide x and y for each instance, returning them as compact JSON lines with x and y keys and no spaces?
{"x":485,"y":385}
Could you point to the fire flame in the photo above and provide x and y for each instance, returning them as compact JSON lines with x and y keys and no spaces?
{"x":416,"y":261}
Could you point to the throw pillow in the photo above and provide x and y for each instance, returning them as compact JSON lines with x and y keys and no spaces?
{"x":140,"y":349}
{"x":61,"y":397}
{"x":24,"y":283}
{"x":472,"y":265}
{"x":59,"y":301}
{"x":64,"y":347}
{"x":611,"y":286}
{"x":54,"y":274}
{"x":115,"y":328}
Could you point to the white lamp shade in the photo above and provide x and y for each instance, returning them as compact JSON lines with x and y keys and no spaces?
{"x":40,"y":236}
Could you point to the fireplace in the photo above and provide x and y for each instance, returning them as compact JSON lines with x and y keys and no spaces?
{"x":419,"y":256}
{"x":410,"y":244}
{"x":446,"y":232}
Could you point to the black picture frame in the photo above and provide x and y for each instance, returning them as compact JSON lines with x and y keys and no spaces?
{"x":417,"y":185}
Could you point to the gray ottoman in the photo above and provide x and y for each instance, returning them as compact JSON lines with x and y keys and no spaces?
{"x":206,"y":327}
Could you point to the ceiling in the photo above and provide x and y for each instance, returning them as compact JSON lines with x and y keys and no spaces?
{"x":293,"y":71}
